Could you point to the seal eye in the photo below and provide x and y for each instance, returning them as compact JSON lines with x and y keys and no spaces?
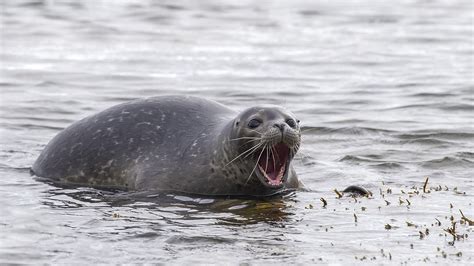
{"x":291,"y":123}
{"x":254,"y":123}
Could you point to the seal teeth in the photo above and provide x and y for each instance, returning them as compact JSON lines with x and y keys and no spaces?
{"x":278,"y":178}
{"x":282,"y":171}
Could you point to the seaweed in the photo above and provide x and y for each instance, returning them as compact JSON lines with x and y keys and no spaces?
{"x":463,"y":217}
{"x":425,"y":186}
{"x":325,"y":203}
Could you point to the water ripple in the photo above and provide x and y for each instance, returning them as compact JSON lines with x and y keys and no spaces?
{"x":384,"y":91}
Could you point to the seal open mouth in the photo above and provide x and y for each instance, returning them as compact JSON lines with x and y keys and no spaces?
{"x":272,"y":164}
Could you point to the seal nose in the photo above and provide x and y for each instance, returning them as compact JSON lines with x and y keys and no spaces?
{"x":280,"y":126}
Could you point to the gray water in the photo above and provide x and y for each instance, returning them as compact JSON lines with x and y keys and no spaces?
{"x":384,"y":92}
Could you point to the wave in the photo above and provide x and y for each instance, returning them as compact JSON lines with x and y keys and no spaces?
{"x":388,"y":165}
{"x":427,"y":141}
{"x":457,"y":107}
{"x":29,"y":126}
{"x":436,"y":135}
{"x":438,"y":106}
{"x":448,"y":161}
{"x":357,"y":131}
{"x":355,"y":159}
{"x":372,"y":160}
{"x":465,"y":155}
{"x":432,"y":95}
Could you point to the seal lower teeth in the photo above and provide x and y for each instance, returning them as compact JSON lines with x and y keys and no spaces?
{"x":272,"y":163}
{"x":273,"y":179}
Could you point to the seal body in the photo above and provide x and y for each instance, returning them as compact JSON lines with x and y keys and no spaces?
{"x":172,"y":143}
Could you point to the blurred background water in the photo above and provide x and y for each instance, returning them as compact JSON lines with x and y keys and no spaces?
{"x":384,"y":91}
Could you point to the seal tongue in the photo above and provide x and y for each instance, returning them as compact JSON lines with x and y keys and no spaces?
{"x":272,"y":163}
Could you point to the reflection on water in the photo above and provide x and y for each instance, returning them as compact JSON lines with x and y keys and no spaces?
{"x":222,"y":210}
{"x":384,"y":91}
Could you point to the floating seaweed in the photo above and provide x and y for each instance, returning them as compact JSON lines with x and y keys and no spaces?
{"x":425,"y":186}
{"x":469,"y":221}
{"x":325,"y":203}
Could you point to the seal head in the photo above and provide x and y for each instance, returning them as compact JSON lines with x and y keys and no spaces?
{"x":268,"y":138}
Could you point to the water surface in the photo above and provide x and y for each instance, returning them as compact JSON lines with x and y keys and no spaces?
{"x":384,"y":92}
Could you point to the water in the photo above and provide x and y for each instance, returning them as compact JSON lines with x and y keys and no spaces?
{"x":385,"y":93}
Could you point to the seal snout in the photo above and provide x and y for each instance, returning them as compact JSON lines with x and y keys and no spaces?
{"x":281,"y":133}
{"x":280,"y":126}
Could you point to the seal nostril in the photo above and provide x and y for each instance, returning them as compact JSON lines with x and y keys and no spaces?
{"x":280,"y":126}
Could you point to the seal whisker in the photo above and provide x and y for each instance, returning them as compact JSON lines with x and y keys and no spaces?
{"x":253,"y":138}
{"x":278,"y":156}
{"x":255,"y":167}
{"x":254,"y":150}
{"x":256,"y":131}
{"x":268,"y":153}
{"x":295,"y":150}
{"x":273,"y":156}
{"x":247,"y":142}
{"x":296,"y":146}
{"x":249,"y":151}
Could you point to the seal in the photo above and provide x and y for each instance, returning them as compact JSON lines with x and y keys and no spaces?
{"x":177,"y":143}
